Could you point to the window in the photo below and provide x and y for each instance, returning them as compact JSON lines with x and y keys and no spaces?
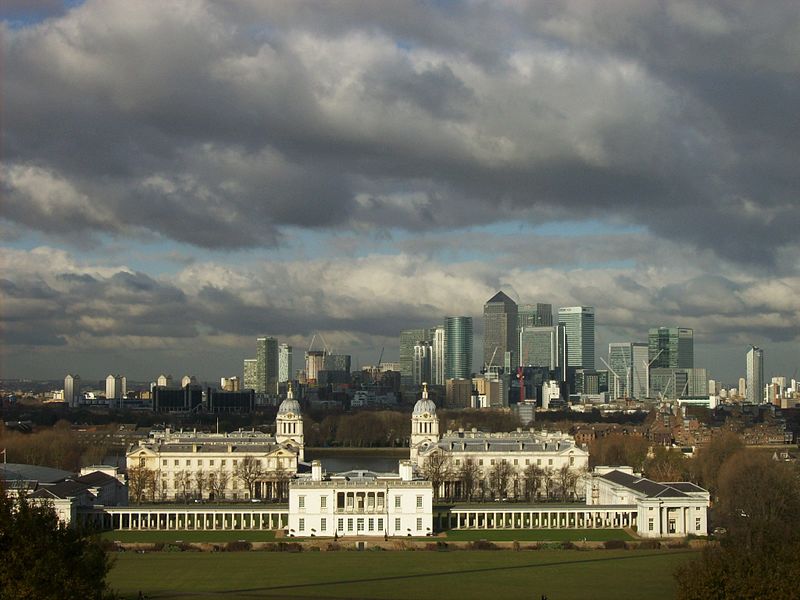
{"x":419,"y":524}
{"x":571,"y":460}
{"x":491,"y":462}
{"x":188,"y":463}
{"x":480,"y":462}
{"x":380,"y":524}
{"x":419,"y":501}
{"x":301,"y":524}
{"x":349,"y":524}
{"x":650,"y":525}
{"x":359,"y":524}
{"x":697,"y":524}
{"x":323,"y":502}
{"x":397,"y":501}
{"x":177,"y":462}
{"x":199,"y":462}
{"x":164,"y":462}
{"x":301,"y":501}
{"x":371,"y":524}
{"x":235,"y":462}
{"x":550,"y":461}
{"x":211,"y":463}
{"x":224,"y":462}
{"x":340,"y":525}
{"x":516,"y":462}
{"x":458,"y":461}
{"x":538,"y":461}
{"x":323,"y":524}
{"x":142,"y":462}
{"x":397,"y":525}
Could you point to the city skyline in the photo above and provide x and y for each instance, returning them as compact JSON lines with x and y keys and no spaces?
{"x":181,"y":179}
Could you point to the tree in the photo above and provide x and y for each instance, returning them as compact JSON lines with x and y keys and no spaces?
{"x":200,"y":482}
{"x":548,"y":482}
{"x":218,"y":482}
{"x":437,"y":468}
{"x":249,"y":470}
{"x":759,"y":500}
{"x":532,"y":481}
{"x":710,"y":459}
{"x":468,"y":476}
{"x":666,"y":464}
{"x":183,"y":480}
{"x":618,"y":449}
{"x":141,"y":481}
{"x":499,"y":478}
{"x":43,"y":558}
{"x":566,"y":478}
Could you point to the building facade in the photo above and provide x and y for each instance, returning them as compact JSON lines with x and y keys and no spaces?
{"x":545,"y":347}
{"x":285,"y":366}
{"x":579,"y":323}
{"x":671,"y":348}
{"x":360,"y":503}
{"x":755,"y":375}
{"x":266,"y":365}
{"x":500,"y":330}
{"x":458,"y":347}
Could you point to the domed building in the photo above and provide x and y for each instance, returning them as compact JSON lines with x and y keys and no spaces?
{"x":424,"y":425}
{"x":289,"y":425}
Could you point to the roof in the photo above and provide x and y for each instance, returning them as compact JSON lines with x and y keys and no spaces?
{"x":650,"y":488}
{"x":500,"y":297}
{"x":97,"y":478}
{"x":63,"y":490}
{"x":17,"y":471}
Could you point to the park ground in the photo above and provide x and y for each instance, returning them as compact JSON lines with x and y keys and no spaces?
{"x":556,"y":574}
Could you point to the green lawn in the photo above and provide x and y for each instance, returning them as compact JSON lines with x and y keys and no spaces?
{"x":458,"y":575}
{"x":537,"y":535}
{"x":149,"y":537}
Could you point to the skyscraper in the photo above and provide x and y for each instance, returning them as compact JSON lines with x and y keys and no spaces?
{"x":639,"y":380}
{"x":671,"y":348}
{"x":438,"y":356}
{"x":285,"y":372}
{"x":249,"y":374}
{"x":72,"y":388}
{"x":755,"y":375}
{"x":266,"y":365}
{"x":458,"y":347}
{"x":409,"y":339}
{"x":534,"y":315}
{"x":422,"y":367}
{"x":579,"y":323}
{"x":544,"y":347}
{"x":500,"y":330}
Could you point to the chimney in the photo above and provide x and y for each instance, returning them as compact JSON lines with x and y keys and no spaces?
{"x":406,"y":470}
{"x":316,"y":470}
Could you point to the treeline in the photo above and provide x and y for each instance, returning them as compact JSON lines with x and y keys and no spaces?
{"x":58,"y":447}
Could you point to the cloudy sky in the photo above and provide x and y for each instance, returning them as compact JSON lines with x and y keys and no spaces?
{"x":180,"y":176}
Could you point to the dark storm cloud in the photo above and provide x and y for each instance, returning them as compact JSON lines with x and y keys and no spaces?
{"x":218,"y":125}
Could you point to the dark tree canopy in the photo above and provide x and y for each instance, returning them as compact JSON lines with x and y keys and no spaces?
{"x":43,"y":559}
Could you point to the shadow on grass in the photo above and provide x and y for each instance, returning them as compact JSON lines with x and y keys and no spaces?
{"x":283,"y":588}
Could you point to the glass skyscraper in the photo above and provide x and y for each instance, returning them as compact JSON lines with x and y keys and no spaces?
{"x":755,"y":375}
{"x":579,"y":323}
{"x":671,"y":348}
{"x":458,"y":347}
{"x":408,"y":339}
{"x":266,"y":365}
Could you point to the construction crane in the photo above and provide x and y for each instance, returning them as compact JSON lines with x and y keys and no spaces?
{"x":380,"y":358}
{"x":488,"y":365}
{"x":616,"y":377}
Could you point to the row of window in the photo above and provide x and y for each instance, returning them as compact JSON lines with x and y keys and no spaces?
{"x":323,"y":502}
{"x":211,"y":463}
{"x":356,"y":525}
{"x":516,"y":461}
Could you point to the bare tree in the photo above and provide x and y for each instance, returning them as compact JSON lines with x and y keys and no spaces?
{"x":468,"y":476}
{"x":438,"y":469}
{"x":499,"y":478}
{"x":200,"y":482}
{"x":249,"y":470}
{"x":140,"y":482}
{"x":218,"y":482}
{"x":548,"y":482}
{"x":566,"y":478}
{"x":532,"y":482}
{"x":183,"y":480}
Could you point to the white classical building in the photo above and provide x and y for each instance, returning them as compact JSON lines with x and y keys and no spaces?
{"x":550,"y":452}
{"x":218,"y":465}
{"x":360,"y":503}
{"x":672,"y":509}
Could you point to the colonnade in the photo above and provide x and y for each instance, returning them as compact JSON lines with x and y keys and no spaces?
{"x":188,"y":519}
{"x":535,"y":518}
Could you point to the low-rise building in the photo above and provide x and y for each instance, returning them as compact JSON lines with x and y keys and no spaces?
{"x":672,"y":509}
{"x":360,"y":503}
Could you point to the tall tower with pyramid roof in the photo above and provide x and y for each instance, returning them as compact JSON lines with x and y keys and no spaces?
{"x":500,"y":330}
{"x":424,"y":425}
{"x":289,"y":424}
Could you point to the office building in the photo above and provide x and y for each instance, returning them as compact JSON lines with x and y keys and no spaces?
{"x":458,"y":348}
{"x":72,"y":389}
{"x":285,"y":372}
{"x":755,"y":375}
{"x":678,"y":383}
{"x":188,"y":380}
{"x":231,"y":384}
{"x":422,"y":367}
{"x":315,"y":362}
{"x":627,"y":364}
{"x":115,"y":389}
{"x":671,"y":348}
{"x":500,"y":330}
{"x":266,"y":365}
{"x":438,"y":357}
{"x":249,"y":374}
{"x":534,"y":315}
{"x":408,"y":339}
{"x":579,"y":323}
{"x":164,"y":380}
{"x":544,"y":347}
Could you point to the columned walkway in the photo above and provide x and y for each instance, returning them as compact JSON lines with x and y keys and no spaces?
{"x":542,"y":516}
{"x":186,"y":518}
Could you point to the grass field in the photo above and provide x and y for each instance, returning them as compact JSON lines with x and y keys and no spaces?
{"x":151,"y":537}
{"x":537,"y":535}
{"x":559,"y":574}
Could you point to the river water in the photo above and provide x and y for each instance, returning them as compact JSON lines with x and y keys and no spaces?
{"x":337,"y":463}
